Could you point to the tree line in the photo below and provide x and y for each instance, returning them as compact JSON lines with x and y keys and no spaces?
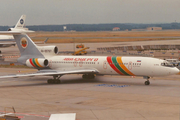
{"x":96,"y":27}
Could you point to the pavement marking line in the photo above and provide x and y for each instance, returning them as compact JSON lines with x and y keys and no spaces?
{"x":112,"y":85}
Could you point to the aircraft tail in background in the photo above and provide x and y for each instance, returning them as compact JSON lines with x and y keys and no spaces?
{"x":20,"y":25}
{"x":21,"y":22}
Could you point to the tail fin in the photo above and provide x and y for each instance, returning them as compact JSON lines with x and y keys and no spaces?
{"x":46,"y":40}
{"x":21,"y":22}
{"x":20,"y":25}
{"x":27,"y":48}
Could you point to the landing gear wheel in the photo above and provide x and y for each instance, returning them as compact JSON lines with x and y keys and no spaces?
{"x":147,"y":82}
{"x":52,"y":81}
{"x":55,"y":80}
{"x":88,"y":76}
{"x":49,"y":81}
{"x":92,"y":76}
{"x":84,"y":76}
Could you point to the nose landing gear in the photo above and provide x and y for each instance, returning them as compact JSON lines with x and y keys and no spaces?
{"x":147,"y":82}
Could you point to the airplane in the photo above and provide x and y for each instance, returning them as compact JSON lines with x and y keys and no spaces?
{"x":18,"y":27}
{"x":48,"y":63}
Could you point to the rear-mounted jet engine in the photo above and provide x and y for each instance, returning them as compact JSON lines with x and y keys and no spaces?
{"x":37,"y":63}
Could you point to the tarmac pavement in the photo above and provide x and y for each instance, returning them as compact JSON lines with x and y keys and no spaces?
{"x":104,"y":98}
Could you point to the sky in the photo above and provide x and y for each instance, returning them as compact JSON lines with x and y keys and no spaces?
{"x":59,"y":12}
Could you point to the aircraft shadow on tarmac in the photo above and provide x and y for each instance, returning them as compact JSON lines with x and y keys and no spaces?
{"x":79,"y":80}
{"x":43,"y":82}
{"x":25,"y":82}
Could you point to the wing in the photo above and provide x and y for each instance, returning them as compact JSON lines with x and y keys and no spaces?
{"x":15,"y":32}
{"x":52,"y":72}
{"x":7,"y":44}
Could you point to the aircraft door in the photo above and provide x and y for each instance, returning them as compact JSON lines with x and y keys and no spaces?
{"x":80,"y":64}
{"x":130,"y":65}
{"x":105,"y":64}
{"x":50,"y":63}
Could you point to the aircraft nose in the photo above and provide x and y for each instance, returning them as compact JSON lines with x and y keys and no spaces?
{"x":175,"y":71}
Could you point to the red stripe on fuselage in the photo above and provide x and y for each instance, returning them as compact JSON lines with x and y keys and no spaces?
{"x":112,"y":65}
{"x":30,"y":60}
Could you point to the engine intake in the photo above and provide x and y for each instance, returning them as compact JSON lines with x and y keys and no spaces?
{"x":37,"y":63}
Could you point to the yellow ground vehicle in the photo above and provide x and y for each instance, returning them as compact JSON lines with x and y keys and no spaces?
{"x":81,"y":51}
{"x":9,"y":116}
{"x":80,"y":46}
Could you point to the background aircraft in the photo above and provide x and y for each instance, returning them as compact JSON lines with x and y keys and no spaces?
{"x":8,"y":40}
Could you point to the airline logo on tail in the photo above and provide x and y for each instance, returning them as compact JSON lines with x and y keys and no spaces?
{"x":24,"y":42}
{"x":21,"y":21}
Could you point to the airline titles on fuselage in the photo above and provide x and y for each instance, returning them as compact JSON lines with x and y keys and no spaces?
{"x":134,"y":64}
{"x":80,"y":59}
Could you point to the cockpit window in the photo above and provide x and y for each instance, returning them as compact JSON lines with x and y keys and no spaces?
{"x":167,"y":64}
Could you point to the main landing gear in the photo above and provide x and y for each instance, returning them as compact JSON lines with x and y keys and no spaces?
{"x":55,"y":80}
{"x":88,"y":76}
{"x":147,"y":82}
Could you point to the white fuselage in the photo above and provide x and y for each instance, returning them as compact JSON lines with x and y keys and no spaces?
{"x":6,"y":38}
{"x":113,"y":65}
